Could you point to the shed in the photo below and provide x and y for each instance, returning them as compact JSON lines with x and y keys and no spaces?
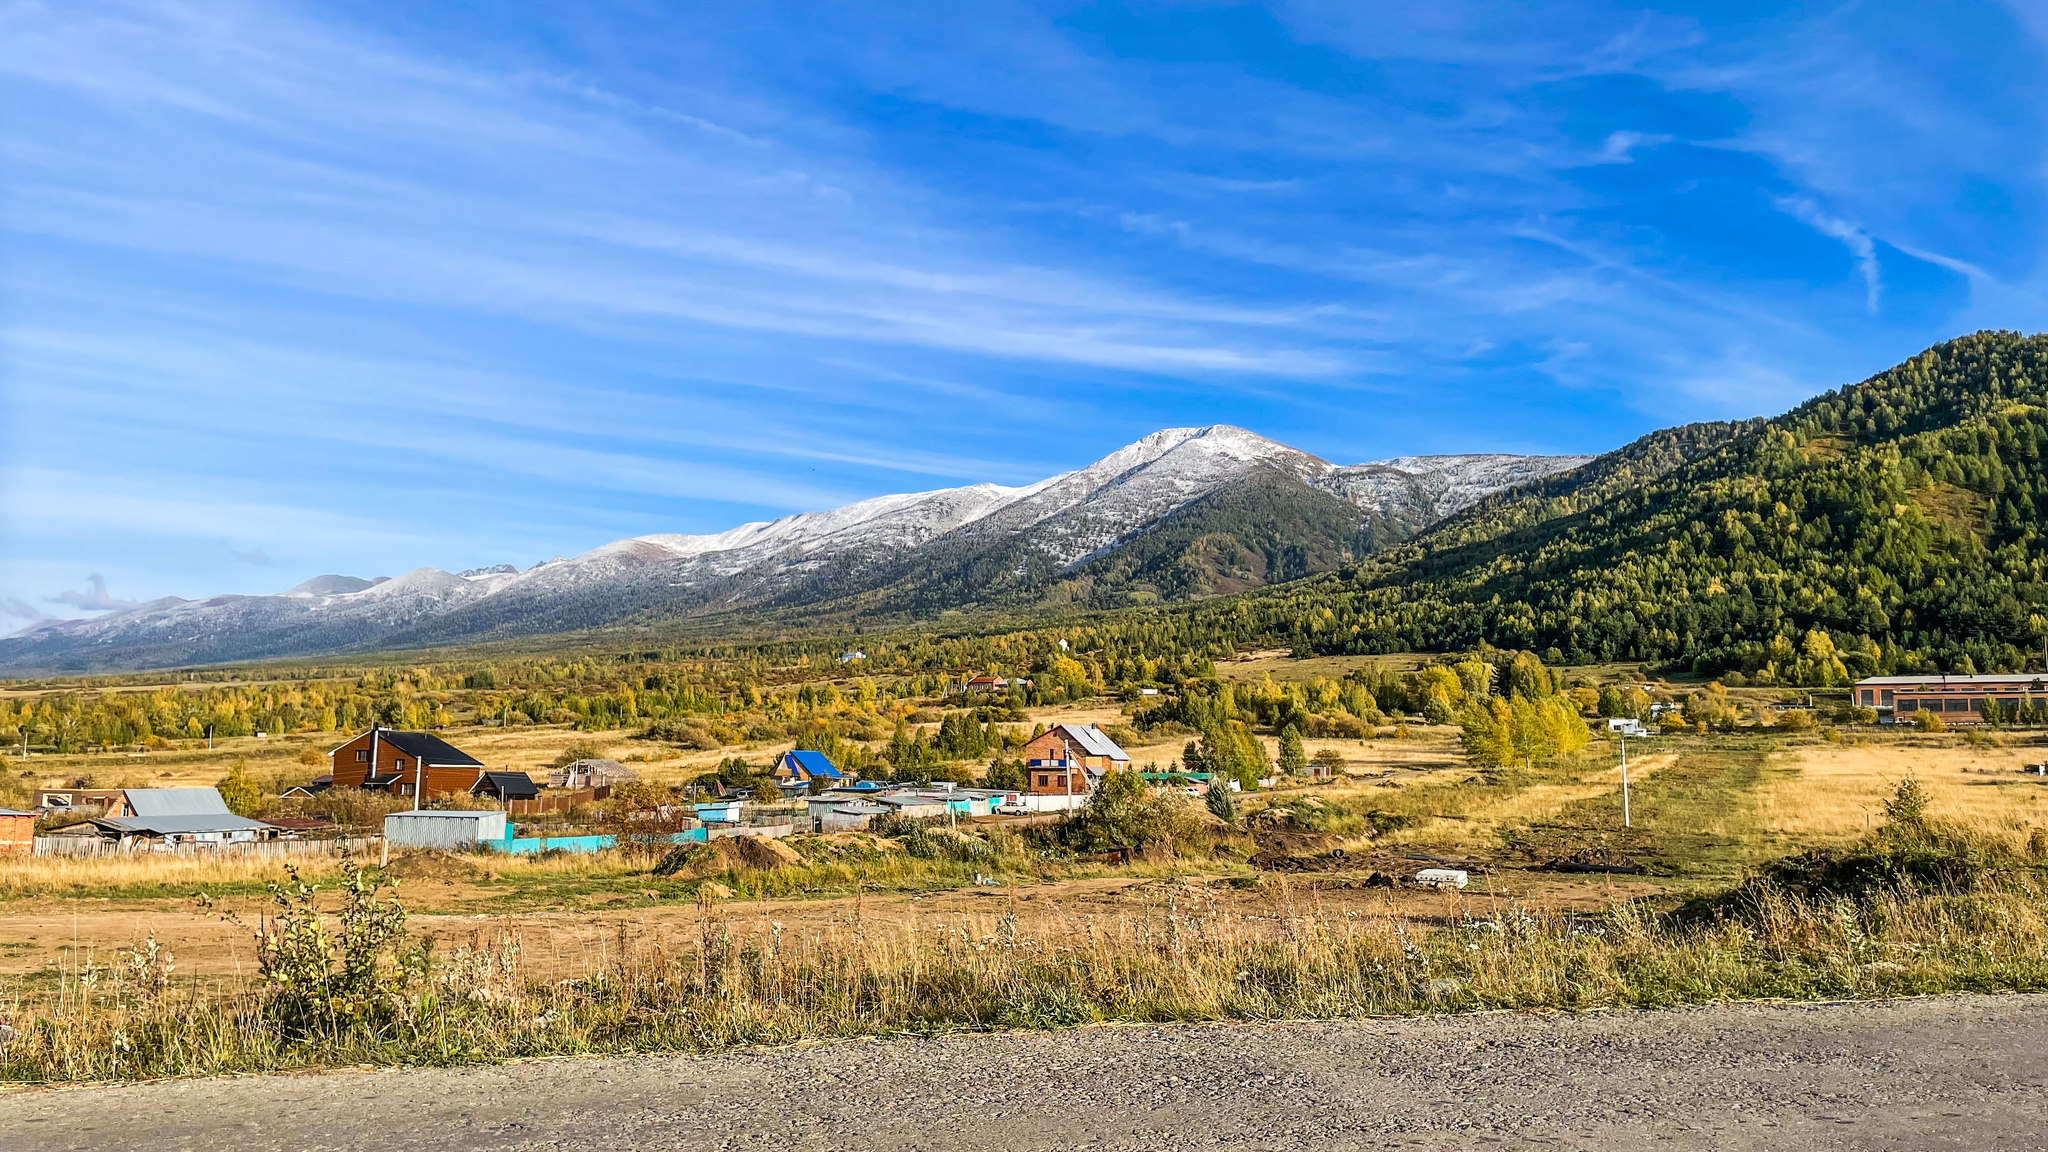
{"x":447,"y":830}
{"x":17,"y":832}
{"x":720,"y":811}
{"x":505,"y":786}
{"x":914,"y":806}
{"x":846,"y":817}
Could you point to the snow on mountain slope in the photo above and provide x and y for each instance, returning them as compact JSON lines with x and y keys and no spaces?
{"x":1450,"y":484}
{"x":1064,"y":519}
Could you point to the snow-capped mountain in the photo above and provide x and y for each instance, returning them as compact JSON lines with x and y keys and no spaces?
{"x":889,"y":542}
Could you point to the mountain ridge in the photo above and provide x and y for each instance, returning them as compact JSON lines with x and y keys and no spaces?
{"x":875,"y":548}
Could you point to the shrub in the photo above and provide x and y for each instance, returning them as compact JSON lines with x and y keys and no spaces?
{"x":1928,"y":721}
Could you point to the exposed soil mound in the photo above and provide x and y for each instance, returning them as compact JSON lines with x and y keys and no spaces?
{"x":761,"y":853}
{"x":432,"y":865}
{"x":726,"y":854}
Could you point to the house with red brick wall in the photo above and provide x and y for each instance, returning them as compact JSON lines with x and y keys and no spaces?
{"x":1070,"y":758}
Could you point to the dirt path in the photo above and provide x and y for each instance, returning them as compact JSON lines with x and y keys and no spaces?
{"x":1958,"y":1072}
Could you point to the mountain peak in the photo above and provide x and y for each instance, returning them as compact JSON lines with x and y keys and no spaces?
{"x":963,"y":542}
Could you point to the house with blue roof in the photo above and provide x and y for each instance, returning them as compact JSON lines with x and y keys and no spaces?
{"x":803,"y":766}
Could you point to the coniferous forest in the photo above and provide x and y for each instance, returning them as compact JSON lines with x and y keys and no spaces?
{"x":1893,"y":525}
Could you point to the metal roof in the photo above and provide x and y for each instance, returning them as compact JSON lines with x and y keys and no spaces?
{"x":1092,"y":740}
{"x":15,"y":812}
{"x":177,"y":802}
{"x":183,"y":823}
{"x":438,"y":753}
{"x":813,"y":762}
{"x":1991,"y":678}
{"x":508,"y":784}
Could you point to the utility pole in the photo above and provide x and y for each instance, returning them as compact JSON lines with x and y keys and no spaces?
{"x":1625,"y":821}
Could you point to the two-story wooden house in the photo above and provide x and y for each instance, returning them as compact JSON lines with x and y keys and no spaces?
{"x":407,"y":763}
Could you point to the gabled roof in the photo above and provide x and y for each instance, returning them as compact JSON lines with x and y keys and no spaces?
{"x":1093,"y":740}
{"x":165,"y":825}
{"x":814,"y":763}
{"x":510,"y":785}
{"x":147,"y":802}
{"x":438,"y":753}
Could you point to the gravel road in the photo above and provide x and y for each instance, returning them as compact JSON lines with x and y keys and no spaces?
{"x":1960,"y":1072}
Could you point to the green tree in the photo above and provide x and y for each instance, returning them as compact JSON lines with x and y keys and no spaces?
{"x":1293,"y":757}
{"x":1221,"y":800}
{"x":1006,"y":774}
{"x":239,"y":791}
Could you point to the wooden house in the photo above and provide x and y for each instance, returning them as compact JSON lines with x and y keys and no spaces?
{"x":407,"y":763}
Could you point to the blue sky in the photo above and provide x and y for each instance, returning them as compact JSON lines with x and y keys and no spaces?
{"x":301,"y":288}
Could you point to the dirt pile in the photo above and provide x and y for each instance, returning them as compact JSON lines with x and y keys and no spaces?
{"x":432,"y":865}
{"x":726,"y":854}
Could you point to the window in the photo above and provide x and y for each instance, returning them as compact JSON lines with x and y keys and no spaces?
{"x":1955,"y":704}
{"x":1869,"y":697}
{"x":1884,"y":697}
{"x":362,"y":755}
{"x":400,"y":763}
{"x":1909,"y":705}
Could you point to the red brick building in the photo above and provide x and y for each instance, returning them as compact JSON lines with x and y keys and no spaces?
{"x":403,"y":762}
{"x":1070,"y":758}
{"x":17,"y":832}
{"x":1958,"y":699}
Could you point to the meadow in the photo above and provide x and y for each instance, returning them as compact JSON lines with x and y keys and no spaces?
{"x":1299,"y":905}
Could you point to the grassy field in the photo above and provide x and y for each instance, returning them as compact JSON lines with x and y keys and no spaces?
{"x":1294,"y":910}
{"x":1174,"y":952}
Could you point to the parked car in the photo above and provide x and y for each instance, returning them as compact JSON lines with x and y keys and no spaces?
{"x":1012,"y":810}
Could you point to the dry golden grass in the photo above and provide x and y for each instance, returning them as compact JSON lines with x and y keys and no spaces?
{"x":1481,"y":814}
{"x":1833,"y":791}
{"x":25,"y":877}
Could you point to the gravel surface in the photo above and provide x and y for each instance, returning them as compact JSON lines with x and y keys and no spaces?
{"x":1958,"y":1072}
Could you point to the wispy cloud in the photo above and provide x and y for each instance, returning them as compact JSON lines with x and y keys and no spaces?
{"x":1852,"y":237}
{"x":454,"y":292}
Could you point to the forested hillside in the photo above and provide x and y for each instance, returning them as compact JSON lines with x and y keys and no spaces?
{"x":1892,"y":525}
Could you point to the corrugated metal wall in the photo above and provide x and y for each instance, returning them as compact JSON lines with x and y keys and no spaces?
{"x":448,"y":830}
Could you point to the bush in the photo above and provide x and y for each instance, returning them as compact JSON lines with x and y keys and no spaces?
{"x":1912,"y":852}
{"x":680,"y":732}
{"x":580,"y":750}
{"x":1122,"y":815}
{"x":1928,"y":721}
